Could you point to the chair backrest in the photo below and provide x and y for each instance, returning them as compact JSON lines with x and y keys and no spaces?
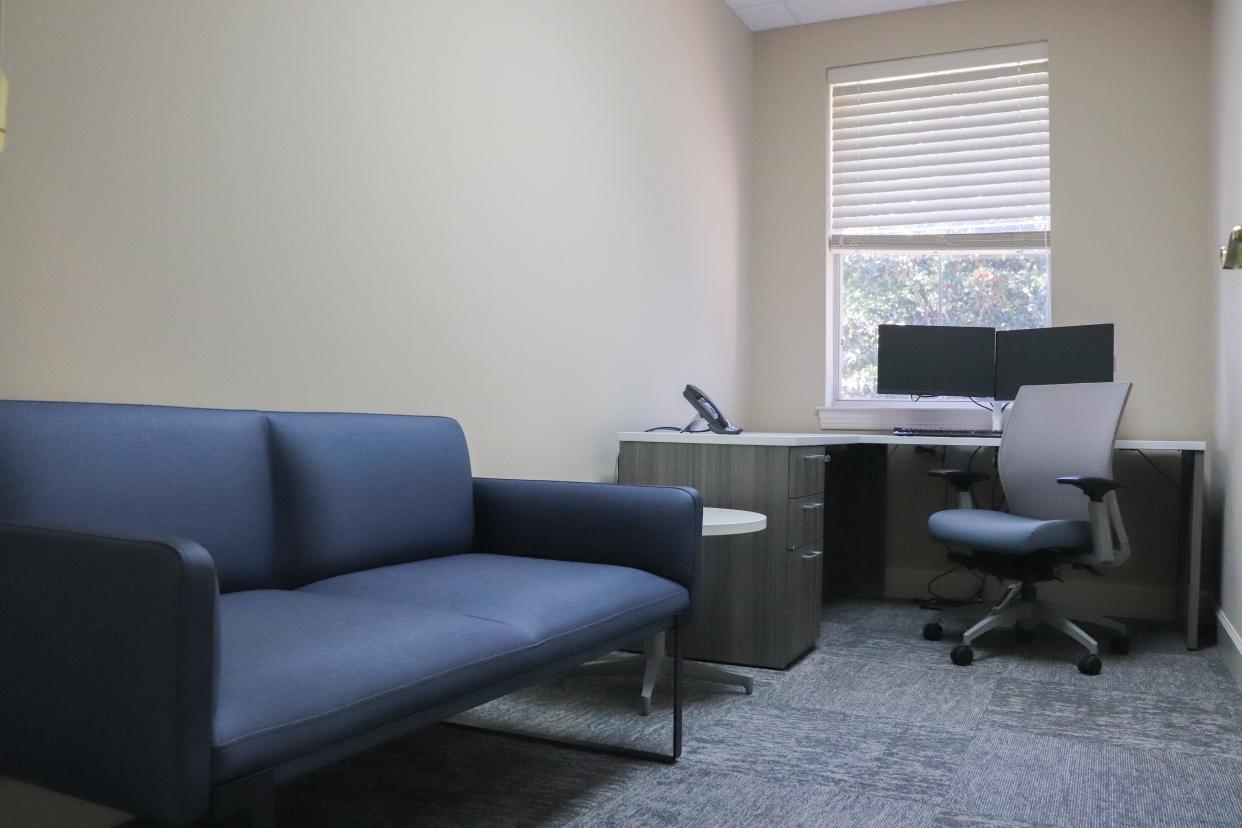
{"x":1058,"y":430}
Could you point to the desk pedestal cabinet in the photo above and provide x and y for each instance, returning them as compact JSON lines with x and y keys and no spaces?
{"x":759,"y":597}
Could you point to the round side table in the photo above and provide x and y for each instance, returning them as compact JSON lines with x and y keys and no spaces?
{"x":716,"y":522}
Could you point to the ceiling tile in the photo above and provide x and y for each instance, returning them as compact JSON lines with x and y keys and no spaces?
{"x":815,"y":11}
{"x":762,"y":16}
{"x":771,"y":14}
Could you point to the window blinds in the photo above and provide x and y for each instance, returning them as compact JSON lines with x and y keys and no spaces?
{"x":949,"y":151}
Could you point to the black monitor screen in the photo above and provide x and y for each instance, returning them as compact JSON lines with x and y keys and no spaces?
{"x":935,"y":361}
{"x":1052,"y":356}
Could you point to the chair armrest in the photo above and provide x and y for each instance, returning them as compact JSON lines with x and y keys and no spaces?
{"x":1093,"y":487}
{"x":654,"y":528}
{"x":960,"y":479}
{"x":108,"y":668}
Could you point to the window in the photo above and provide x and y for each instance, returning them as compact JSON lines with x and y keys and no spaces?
{"x":938,"y":192}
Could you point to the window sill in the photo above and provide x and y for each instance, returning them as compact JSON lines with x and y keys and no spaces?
{"x":861,"y":416}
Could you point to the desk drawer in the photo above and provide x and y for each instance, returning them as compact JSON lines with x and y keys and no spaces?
{"x":806,"y":470}
{"x":806,"y":585}
{"x":806,"y":521}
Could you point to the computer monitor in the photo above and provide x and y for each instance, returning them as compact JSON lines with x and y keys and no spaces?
{"x":936,"y":361}
{"x":1052,"y":356}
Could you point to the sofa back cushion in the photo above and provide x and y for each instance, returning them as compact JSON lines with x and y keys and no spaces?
{"x":357,"y":491}
{"x":191,"y":473}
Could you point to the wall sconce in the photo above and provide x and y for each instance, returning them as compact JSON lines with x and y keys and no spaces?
{"x":1231,"y":253}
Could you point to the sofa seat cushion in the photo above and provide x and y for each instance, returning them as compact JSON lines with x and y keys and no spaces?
{"x":301,"y":670}
{"x":561,"y":607}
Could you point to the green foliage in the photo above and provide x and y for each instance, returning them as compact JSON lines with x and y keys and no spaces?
{"x":1000,"y":290}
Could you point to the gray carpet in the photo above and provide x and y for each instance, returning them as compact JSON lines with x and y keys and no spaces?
{"x":874,"y":728}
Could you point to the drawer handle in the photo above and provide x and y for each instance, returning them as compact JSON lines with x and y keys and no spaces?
{"x":817,"y":458}
{"x":810,"y":556}
{"x":813,"y":507}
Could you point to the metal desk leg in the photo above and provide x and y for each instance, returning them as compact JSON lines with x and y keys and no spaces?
{"x":1190,"y":562}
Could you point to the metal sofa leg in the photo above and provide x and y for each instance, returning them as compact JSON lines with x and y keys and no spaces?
{"x":598,"y":747}
{"x":678,"y":673}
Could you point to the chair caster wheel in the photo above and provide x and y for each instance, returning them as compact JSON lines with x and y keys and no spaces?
{"x":962,"y":655}
{"x":932,"y":631}
{"x":1119,"y":644}
{"x":1090,"y":665}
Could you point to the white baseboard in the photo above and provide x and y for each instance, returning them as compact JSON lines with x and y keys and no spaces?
{"x":1230,"y":644}
{"x":1115,"y":599}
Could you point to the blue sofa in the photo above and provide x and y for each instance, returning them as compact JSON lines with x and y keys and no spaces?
{"x":197,"y":604}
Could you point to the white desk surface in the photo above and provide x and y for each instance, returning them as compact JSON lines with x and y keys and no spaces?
{"x":746,"y":438}
{"x":843,"y":438}
{"x":1144,"y":445}
{"x":718,"y":521}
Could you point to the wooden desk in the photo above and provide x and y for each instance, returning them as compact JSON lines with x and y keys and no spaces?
{"x":760,"y":595}
{"x":749,"y":468}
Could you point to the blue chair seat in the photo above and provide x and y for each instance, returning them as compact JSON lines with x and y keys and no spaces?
{"x":302,"y":669}
{"x":986,"y":530}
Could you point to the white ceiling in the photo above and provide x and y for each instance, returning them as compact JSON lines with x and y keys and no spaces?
{"x":777,"y":14}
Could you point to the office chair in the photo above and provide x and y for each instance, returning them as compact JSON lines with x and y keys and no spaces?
{"x":1059,"y":438}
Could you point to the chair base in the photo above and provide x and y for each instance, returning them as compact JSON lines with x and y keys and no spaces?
{"x":1021,"y":609}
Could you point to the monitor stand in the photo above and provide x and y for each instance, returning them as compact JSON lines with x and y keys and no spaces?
{"x":998,"y":412}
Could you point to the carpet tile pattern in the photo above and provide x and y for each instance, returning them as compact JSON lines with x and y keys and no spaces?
{"x":874,"y":728}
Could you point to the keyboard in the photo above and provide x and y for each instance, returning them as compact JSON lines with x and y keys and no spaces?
{"x":917,"y":431}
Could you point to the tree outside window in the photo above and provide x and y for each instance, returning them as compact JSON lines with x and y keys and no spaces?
{"x":1000,"y":290}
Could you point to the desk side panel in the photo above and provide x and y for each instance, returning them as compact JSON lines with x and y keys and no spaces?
{"x":742,"y":610}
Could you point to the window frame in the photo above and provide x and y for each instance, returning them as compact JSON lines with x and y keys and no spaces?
{"x":882,"y":413}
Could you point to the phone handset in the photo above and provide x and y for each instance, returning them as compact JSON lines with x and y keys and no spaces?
{"x":709,"y":412}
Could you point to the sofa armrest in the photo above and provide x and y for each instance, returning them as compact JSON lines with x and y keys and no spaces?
{"x":654,"y":528}
{"x":107,"y":668}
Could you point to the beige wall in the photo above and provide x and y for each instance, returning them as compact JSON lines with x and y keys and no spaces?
{"x":1129,"y":171}
{"x":1227,"y":190}
{"x":1129,"y":175}
{"x":529,"y":216}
